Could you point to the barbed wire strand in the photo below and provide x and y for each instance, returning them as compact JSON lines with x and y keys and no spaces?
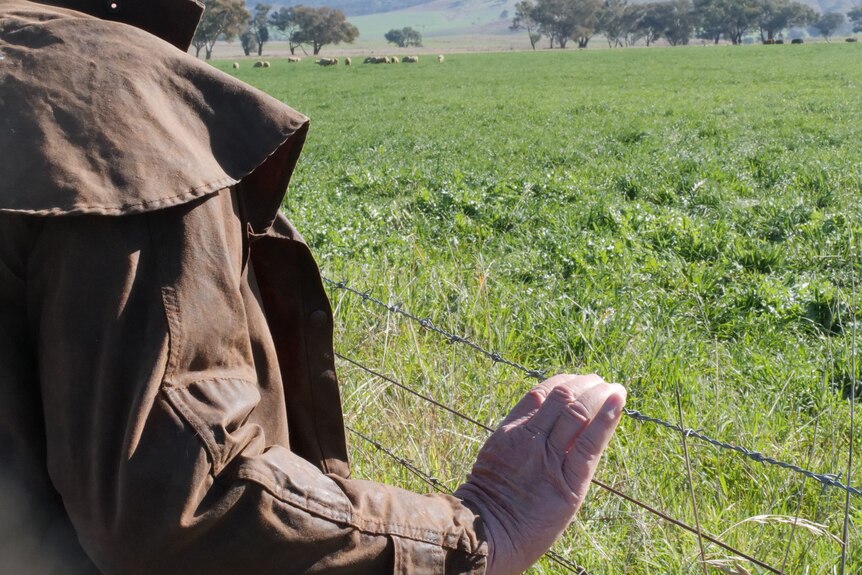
{"x":443,"y":488}
{"x":845,"y":532}
{"x":601,"y":484}
{"x":830,"y":480}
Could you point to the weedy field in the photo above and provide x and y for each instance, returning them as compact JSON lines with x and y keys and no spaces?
{"x":684,"y":221}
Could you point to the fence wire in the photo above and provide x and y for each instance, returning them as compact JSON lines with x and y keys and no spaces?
{"x":436,"y":483}
{"x":828,"y":479}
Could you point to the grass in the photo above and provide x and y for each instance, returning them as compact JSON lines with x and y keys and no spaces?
{"x":662,"y":217}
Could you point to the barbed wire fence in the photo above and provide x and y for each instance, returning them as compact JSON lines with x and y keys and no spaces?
{"x":826,"y":480}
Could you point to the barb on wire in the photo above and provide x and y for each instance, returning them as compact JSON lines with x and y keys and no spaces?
{"x":823,"y":478}
{"x":827,"y":479}
{"x":443,"y":488}
{"x":433,"y":481}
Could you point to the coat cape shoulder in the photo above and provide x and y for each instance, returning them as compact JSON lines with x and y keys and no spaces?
{"x":98,"y":117}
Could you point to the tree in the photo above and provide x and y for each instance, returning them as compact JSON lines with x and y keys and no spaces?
{"x":523,"y":20}
{"x":284,"y":21}
{"x":828,"y":23}
{"x":653,"y":21}
{"x":220,"y":19}
{"x":740,"y":16}
{"x":404,"y":37}
{"x":855,"y":16}
{"x":678,"y":19}
{"x":248,"y":42}
{"x":322,"y":26}
{"x":586,"y":13}
{"x":710,"y":19}
{"x":562,"y":20}
{"x":778,"y":15}
{"x":259,"y":25}
{"x":632,"y":23}
{"x":612,"y":21}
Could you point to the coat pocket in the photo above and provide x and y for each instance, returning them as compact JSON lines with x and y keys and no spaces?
{"x":218,"y":411}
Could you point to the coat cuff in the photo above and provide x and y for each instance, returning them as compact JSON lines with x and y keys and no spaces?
{"x":421,"y":558}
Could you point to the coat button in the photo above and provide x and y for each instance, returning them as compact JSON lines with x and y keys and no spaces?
{"x":318,"y":318}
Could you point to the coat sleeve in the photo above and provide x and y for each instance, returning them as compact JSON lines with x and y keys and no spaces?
{"x":156,"y":416}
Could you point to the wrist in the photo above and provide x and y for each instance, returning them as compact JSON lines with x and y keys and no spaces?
{"x":475,"y":499}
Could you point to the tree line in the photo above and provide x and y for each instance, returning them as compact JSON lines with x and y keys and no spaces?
{"x":301,"y":25}
{"x":677,"y":21}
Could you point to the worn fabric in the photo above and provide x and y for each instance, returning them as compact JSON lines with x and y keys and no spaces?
{"x":168,"y":399}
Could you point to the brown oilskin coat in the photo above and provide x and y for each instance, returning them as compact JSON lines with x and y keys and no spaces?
{"x":168,"y":400}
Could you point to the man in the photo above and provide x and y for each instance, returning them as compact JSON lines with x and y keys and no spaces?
{"x":168,"y":402}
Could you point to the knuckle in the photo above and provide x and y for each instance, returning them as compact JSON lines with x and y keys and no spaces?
{"x":579,"y":410}
{"x":586,"y":449}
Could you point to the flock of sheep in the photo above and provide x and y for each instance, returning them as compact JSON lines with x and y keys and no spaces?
{"x":347,"y":61}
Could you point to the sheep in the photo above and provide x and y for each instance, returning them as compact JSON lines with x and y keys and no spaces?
{"x":440,"y":58}
{"x":327,"y":62}
{"x":797,"y":41}
{"x":258,"y":64}
{"x":375,"y":60}
{"x":294,"y":59}
{"x":393,"y":60}
{"x":851,"y":39}
{"x":236,"y":65}
{"x":348,"y":61}
{"x":410,"y":59}
{"x":266,"y":64}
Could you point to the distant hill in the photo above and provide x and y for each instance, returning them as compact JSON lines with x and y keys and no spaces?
{"x":350,"y":7}
{"x":456,"y":17}
{"x":365,"y":7}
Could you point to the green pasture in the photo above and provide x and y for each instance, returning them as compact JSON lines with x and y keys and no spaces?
{"x":674,"y":219}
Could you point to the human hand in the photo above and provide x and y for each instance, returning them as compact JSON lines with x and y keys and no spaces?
{"x":532,"y":474}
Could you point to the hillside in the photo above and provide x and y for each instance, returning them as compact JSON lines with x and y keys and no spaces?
{"x":351,"y":7}
{"x":465,"y":19}
{"x":443,"y":18}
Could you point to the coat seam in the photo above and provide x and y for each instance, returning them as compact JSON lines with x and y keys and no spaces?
{"x":363,"y":525}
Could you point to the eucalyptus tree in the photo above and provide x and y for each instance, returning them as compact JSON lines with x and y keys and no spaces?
{"x":524,"y":20}
{"x":779,"y":15}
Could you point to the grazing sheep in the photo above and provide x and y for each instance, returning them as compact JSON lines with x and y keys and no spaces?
{"x":236,"y":65}
{"x":375,"y":60}
{"x":266,"y":64}
{"x":393,"y":60}
{"x":348,"y":61}
{"x":797,"y":41}
{"x":851,"y":39}
{"x":327,"y":62}
{"x":294,"y":59}
{"x":258,"y":64}
{"x":440,"y":58}
{"x":410,"y":59}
